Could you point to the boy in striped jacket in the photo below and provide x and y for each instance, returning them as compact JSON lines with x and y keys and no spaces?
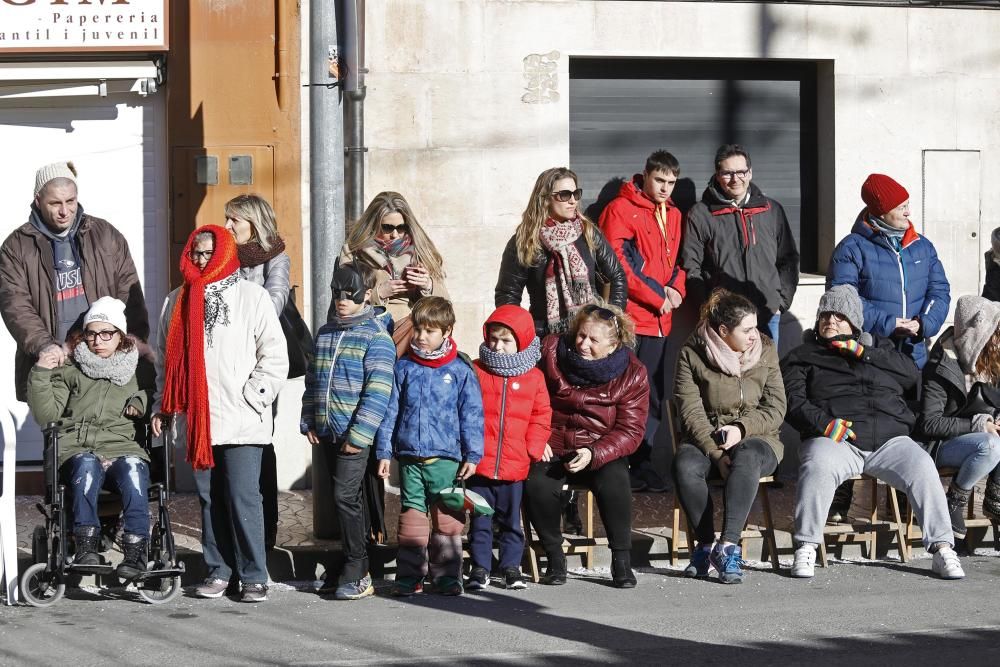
{"x":348,"y":385}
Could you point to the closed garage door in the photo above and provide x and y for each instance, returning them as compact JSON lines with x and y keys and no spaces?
{"x":621,"y":110}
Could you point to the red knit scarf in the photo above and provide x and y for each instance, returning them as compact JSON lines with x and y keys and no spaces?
{"x":449,"y":353}
{"x":185,"y":387}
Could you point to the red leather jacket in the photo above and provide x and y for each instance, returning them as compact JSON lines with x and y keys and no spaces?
{"x":608,"y":419}
{"x":516,"y":409}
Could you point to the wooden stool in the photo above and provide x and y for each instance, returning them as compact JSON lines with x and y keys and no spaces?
{"x":766,"y":532}
{"x":869,"y":525}
{"x":914,"y":532}
{"x":572,"y":544}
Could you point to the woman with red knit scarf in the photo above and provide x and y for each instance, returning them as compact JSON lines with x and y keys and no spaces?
{"x":222,"y":359}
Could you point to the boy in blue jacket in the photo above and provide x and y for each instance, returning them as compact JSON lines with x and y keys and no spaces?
{"x":434,"y":427}
{"x":348,"y":385}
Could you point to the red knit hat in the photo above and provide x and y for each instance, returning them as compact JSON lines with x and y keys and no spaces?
{"x":882,"y":194}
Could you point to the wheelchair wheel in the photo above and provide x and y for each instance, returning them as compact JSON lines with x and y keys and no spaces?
{"x":159,"y":591}
{"x":39,"y":587}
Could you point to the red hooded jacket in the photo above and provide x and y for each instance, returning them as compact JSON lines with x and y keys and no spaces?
{"x":517,"y":412}
{"x":650,"y":260}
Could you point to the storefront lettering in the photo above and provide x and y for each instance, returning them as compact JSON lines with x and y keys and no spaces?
{"x":92,"y":25}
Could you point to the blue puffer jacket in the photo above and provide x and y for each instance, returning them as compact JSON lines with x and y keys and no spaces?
{"x":433,"y":412}
{"x":907,"y":284}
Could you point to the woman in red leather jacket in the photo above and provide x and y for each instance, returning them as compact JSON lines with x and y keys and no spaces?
{"x":600,"y":398}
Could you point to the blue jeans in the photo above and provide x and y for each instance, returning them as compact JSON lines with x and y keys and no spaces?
{"x":974,"y":454}
{"x":232,"y":514}
{"x":773,"y":327}
{"x":129,"y":475}
{"x":505,"y":499}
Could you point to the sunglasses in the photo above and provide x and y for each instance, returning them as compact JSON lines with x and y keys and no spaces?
{"x":565,"y":195}
{"x":105,"y":335}
{"x":601,"y":312}
{"x":401,"y":229}
{"x":203,"y":254}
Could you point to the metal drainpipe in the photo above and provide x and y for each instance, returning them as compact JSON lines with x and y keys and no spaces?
{"x":327,"y":213}
{"x":354,"y":109}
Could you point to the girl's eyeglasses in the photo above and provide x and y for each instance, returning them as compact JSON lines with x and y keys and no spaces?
{"x":565,"y":195}
{"x":104,"y":335}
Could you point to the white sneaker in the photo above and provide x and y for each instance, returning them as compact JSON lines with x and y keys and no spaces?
{"x":946,"y":564}
{"x":805,"y":561}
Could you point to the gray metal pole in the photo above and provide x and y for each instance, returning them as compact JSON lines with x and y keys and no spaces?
{"x":326,"y":147}
{"x":354,"y":108}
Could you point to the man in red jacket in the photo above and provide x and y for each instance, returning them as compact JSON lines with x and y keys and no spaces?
{"x":643,"y":226}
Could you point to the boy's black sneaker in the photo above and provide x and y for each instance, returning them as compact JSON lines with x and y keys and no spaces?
{"x":478,"y":579}
{"x":513,"y":579}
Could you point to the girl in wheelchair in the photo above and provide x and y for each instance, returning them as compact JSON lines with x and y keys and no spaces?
{"x":98,"y":404}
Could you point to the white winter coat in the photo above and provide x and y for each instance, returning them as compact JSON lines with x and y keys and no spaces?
{"x":245,"y":365}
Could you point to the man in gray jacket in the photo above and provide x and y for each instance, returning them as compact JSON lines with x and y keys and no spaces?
{"x":55,"y":265}
{"x":738,"y":238}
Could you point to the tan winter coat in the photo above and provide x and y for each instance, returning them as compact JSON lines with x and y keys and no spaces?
{"x":708,"y":399}
{"x":27,"y":279}
{"x":398,"y":306}
{"x":245,"y":366}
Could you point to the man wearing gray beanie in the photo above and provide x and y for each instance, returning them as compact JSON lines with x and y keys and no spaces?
{"x":845,"y":389}
{"x":55,"y":265}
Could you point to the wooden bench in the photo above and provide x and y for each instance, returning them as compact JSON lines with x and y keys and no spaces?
{"x":869,"y":525}
{"x":582,"y":545}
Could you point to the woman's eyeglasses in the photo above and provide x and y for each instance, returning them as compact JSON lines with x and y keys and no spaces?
{"x":104,"y":335}
{"x":201,"y":254}
{"x":399,"y":229}
{"x":565,"y":195}
{"x":830,"y":315}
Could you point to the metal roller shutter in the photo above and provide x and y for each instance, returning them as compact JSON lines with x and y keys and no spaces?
{"x":623,"y":109}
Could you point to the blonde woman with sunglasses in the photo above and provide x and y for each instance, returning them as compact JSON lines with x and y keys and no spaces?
{"x":559,"y":256}
{"x":407,"y":264}
{"x":599,"y":392}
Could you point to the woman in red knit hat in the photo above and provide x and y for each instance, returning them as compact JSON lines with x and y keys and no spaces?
{"x":222,"y":358}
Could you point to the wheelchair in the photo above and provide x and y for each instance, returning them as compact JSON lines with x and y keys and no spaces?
{"x":44,"y":582}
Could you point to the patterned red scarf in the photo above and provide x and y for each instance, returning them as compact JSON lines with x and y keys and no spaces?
{"x":185,"y":387}
{"x":567,"y":279}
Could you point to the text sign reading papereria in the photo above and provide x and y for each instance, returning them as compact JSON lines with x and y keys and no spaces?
{"x":83,"y":25}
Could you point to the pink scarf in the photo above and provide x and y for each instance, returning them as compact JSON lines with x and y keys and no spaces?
{"x":567,"y":281}
{"x":724,"y":358}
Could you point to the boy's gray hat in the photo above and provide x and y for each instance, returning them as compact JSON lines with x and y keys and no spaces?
{"x":843,"y":299}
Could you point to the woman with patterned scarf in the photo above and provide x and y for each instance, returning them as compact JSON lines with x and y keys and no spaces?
{"x":407,"y":264}
{"x":222,"y":359}
{"x":251,"y":221}
{"x":600,"y":400}
{"x":558,"y":255}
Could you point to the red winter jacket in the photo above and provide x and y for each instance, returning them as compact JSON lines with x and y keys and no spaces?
{"x":609,"y":419}
{"x":518,"y":416}
{"x":650,"y":261}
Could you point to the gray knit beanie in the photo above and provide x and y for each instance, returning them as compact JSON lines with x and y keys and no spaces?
{"x":976,"y":319}
{"x":843,"y":299}
{"x":54,"y":170}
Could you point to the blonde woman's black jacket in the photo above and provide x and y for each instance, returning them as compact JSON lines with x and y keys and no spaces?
{"x":515,"y":277}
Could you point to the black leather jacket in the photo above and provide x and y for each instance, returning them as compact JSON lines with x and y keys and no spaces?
{"x":602,"y":264}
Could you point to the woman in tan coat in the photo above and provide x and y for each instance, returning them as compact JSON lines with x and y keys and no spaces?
{"x":407,"y":265}
{"x":731,"y":402}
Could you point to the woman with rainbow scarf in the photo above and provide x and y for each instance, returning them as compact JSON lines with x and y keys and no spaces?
{"x":222,"y":358}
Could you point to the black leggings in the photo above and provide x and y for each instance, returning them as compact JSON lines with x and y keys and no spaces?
{"x":610,"y":484}
{"x":751,"y":459}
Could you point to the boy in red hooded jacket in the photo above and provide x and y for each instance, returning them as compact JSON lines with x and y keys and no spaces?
{"x":518,"y":423}
{"x":643,"y":226}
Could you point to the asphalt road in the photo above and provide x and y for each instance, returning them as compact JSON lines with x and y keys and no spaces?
{"x":851,"y":614}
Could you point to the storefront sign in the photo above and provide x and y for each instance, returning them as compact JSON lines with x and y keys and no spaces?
{"x":83,"y":25}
